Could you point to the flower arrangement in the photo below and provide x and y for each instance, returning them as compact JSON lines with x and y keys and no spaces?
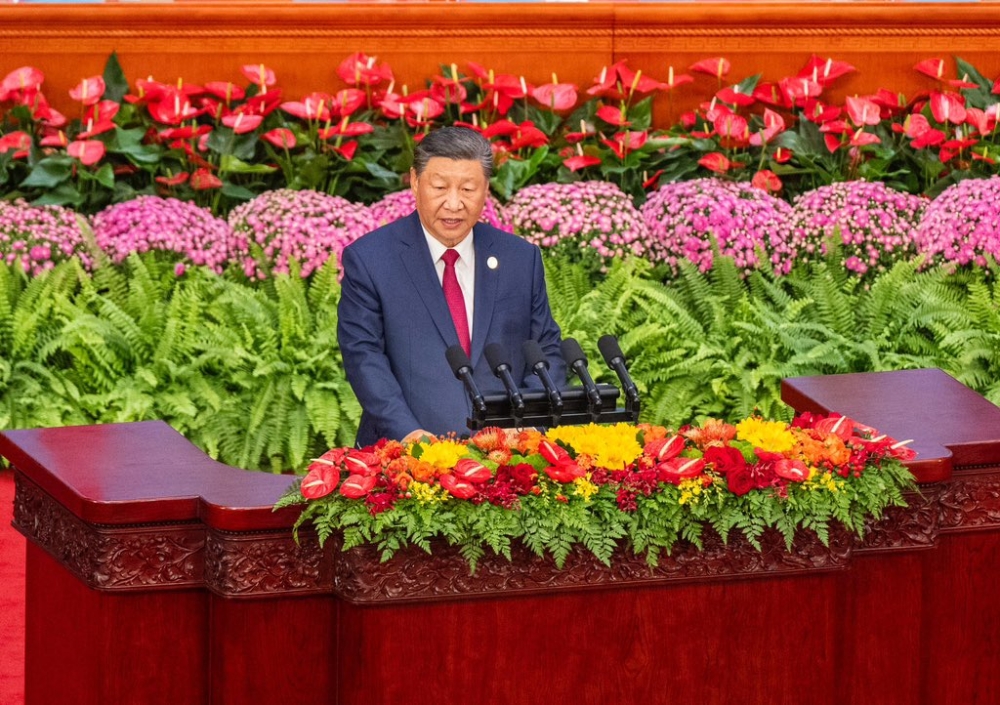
{"x":876,"y":226}
{"x":151,"y":223}
{"x":35,"y":238}
{"x":588,"y":217}
{"x":306,"y":226}
{"x":402,"y":203}
{"x":687,"y":219}
{"x":962,"y":225}
{"x":597,"y":486}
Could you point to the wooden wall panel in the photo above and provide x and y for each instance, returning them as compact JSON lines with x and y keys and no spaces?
{"x":304,"y":43}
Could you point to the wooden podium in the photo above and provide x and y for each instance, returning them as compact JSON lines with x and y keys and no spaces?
{"x":157,"y":575}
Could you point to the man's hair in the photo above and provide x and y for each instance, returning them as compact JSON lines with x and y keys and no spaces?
{"x":459,"y":143}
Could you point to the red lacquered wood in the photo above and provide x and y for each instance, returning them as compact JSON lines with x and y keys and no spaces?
{"x":951,"y":426}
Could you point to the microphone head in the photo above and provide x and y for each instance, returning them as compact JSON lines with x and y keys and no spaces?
{"x":572,"y":352}
{"x":457,"y":359}
{"x":496,"y":356}
{"x":533,"y":354}
{"x":608,"y":345}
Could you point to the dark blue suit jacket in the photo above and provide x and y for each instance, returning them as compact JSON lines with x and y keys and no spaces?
{"x":394,"y":327}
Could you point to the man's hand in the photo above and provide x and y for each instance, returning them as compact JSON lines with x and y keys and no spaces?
{"x":418,"y":435}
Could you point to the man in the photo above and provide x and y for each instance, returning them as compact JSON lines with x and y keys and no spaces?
{"x":403,"y":305}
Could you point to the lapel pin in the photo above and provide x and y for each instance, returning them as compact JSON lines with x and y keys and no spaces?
{"x":492,"y":263}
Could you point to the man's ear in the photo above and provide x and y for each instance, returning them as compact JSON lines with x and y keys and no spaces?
{"x":413,"y":180}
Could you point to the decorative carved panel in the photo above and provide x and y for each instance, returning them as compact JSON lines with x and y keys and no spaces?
{"x":256,"y":565}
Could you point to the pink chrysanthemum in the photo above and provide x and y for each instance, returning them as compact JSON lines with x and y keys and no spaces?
{"x":151,"y":223}
{"x":401,"y":203}
{"x":35,"y":238}
{"x":962,"y":225}
{"x":594,"y":216}
{"x":306,"y":226}
{"x":875,"y":223}
{"x":684,"y":217}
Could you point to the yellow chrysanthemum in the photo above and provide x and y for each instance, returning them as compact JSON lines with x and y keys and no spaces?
{"x":614,"y":447}
{"x":442,"y":454}
{"x":690,"y":489}
{"x":422,"y":492}
{"x":772,"y":436}
{"x":583,"y":487}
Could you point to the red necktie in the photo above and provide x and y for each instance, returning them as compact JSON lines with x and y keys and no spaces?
{"x":456,"y":301}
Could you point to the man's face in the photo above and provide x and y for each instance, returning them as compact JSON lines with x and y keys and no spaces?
{"x":450,"y":197}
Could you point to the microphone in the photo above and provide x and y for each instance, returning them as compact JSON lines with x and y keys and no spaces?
{"x":573,"y":355}
{"x":462,"y":367}
{"x":501,"y":368}
{"x":613,"y":355}
{"x":535,"y":358}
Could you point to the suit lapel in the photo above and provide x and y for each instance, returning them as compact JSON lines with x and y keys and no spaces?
{"x":487,"y":280}
{"x":420,"y":268}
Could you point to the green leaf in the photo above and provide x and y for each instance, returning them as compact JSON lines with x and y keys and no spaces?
{"x":50,"y":172}
{"x":116,"y":85}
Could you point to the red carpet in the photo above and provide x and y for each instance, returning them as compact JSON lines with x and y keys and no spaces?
{"x":11,"y":598}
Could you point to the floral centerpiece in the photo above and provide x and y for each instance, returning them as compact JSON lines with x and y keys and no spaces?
{"x":599,"y":486}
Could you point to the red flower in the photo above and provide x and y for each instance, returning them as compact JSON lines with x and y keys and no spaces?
{"x":462,"y":489}
{"x":564,"y":471}
{"x":471,"y":470}
{"x":732,"y":96}
{"x":835,"y":425}
{"x":347,"y":102}
{"x":19,"y":142}
{"x":733,"y":127}
{"x":347,"y":150}
{"x":824,"y":71}
{"x":173,"y":181}
{"x":948,"y":107}
{"x":242,"y":123}
{"x":625,"y":142}
{"x":320,"y":481}
{"x":664,"y":448}
{"x":361,"y":70}
{"x":863,"y":111}
{"x":774,"y":124}
{"x":315,"y":106}
{"x":88,"y":91}
{"x":931,"y":67}
{"x":725,"y":459}
{"x":580,"y":161}
{"x":766,"y":180}
{"x":789,"y":469}
{"x":677,"y":469}
{"x":613,"y":116}
{"x":556,"y":96}
{"x":89,"y":152}
{"x":357,"y":486}
{"x":280,"y":137}
{"x":717,"y":67}
{"x":203,"y":180}
{"x":715,"y":161}
{"x":225,"y":90}
{"x":362,"y":462}
{"x":259,"y":74}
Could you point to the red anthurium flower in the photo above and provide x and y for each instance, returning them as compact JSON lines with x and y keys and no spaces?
{"x":89,"y":152}
{"x":500,"y":128}
{"x":321,"y":480}
{"x":824,"y":71}
{"x":891,"y":103}
{"x":347,"y":149}
{"x":263,"y":103}
{"x":962,"y":82}
{"x":625,"y":142}
{"x":280,"y":137}
{"x":653,"y":181}
{"x":18,"y":141}
{"x":606,"y":83}
{"x":552,"y":453}
{"x":863,"y":111}
{"x":448,"y":89}
{"x":102,"y":111}
{"x":675,"y":80}
{"x":928,"y":138}
{"x":770,"y":94}
{"x":457,"y":487}
{"x":96,"y":128}
{"x":635,"y":81}
{"x":715,"y":161}
{"x":833,"y":142}
{"x":172,"y":108}
{"x":509,"y":86}
{"x":242,"y":123}
{"x":835,"y":425}
{"x":677,"y":469}
{"x":357,"y":486}
{"x":556,"y":96}
{"x":422,"y":108}
{"x":613,"y":116}
{"x":782,"y":155}
{"x":259,"y":74}
{"x":799,"y":90}
{"x":359,"y":69}
{"x":580,"y":161}
{"x":471,"y":470}
{"x":774,"y":125}
{"x":817,"y":112}
{"x":347,"y":102}
{"x":88,"y":91}
{"x":185,"y":132}
{"x":565,"y":471}
{"x":21,"y":81}
{"x":315,"y":106}
{"x":836,"y":127}
{"x":732,"y":96}
{"x":392,"y":105}
{"x":225,"y":90}
{"x":931,"y":67}
{"x":203,"y":180}
{"x":732,"y":126}
{"x":766,"y":180}
{"x":664,"y":448}
{"x":794,"y":470}
{"x":717,"y":67}
{"x":345,"y":128}
{"x":56,"y":138}
{"x":528,"y":136}
{"x":362,"y":462}
{"x":983,"y":121}
{"x":948,"y":107}
{"x":176,"y":180}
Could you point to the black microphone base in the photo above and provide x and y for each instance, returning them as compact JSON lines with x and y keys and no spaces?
{"x":537,"y":410}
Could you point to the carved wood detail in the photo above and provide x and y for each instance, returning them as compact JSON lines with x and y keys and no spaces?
{"x":110,"y":558}
{"x":970,"y":502}
{"x":257,"y":565}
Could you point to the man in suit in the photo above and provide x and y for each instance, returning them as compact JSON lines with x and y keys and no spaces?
{"x":405,"y":300}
